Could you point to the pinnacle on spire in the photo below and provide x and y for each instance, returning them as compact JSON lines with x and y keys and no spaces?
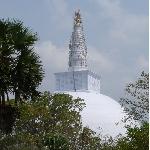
{"x":77,"y":17}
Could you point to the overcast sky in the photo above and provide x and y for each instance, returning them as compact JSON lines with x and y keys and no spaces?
{"x":116,"y":33}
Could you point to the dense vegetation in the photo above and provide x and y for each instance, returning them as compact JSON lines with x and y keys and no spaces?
{"x":53,"y":122}
{"x":33,"y":121}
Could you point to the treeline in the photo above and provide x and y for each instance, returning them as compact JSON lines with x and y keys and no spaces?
{"x":53,"y":122}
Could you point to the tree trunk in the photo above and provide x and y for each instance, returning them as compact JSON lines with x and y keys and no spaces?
{"x":3,"y":98}
{"x":7,"y":96}
{"x":0,"y":99}
{"x":17,"y":96}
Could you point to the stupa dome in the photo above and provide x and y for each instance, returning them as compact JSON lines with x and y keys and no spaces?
{"x":101,"y":112}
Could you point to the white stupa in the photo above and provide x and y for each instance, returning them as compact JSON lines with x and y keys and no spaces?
{"x":101,"y":111}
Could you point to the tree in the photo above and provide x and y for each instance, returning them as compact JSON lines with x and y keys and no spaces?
{"x":49,"y":118}
{"x":27,"y":75}
{"x":136,"y":103}
{"x":20,"y":68}
{"x":137,"y":139}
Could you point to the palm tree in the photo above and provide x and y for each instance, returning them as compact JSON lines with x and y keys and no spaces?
{"x":20,"y":67}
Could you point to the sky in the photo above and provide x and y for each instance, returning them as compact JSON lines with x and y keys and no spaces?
{"x":116,"y":33}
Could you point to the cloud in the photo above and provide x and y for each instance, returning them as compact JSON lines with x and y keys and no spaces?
{"x":58,"y":14}
{"x":142,"y":62}
{"x":127,"y":29}
{"x":54,"y":59}
{"x":52,"y":55}
{"x":117,"y":35}
{"x":117,"y":47}
{"x":110,"y":9}
{"x":98,"y":61}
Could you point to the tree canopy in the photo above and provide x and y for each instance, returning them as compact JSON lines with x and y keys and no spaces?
{"x":136,"y":102}
{"x":51,"y":117}
{"x":53,"y":121}
{"x":20,"y":67}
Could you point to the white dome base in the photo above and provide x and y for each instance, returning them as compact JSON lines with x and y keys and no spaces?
{"x":101,"y":112}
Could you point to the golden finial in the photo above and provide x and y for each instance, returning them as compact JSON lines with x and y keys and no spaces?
{"x":77,"y":17}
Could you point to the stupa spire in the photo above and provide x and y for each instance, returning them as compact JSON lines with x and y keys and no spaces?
{"x":77,"y":46}
{"x":78,"y":77}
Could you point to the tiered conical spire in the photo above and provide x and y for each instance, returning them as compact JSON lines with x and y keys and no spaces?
{"x":77,"y":46}
{"x":78,"y":77}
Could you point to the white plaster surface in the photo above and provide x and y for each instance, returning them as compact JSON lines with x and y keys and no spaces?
{"x":101,"y":111}
{"x":77,"y":81}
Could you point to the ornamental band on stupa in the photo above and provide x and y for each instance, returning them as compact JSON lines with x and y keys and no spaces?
{"x":78,"y":77}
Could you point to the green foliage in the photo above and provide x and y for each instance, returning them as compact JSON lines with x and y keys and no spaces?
{"x":136,"y":103}
{"x":8,"y":115}
{"x":47,"y":118}
{"x":56,"y":142}
{"x":53,"y":121}
{"x":137,"y":139}
{"x":20,"y":68}
{"x":88,"y":140}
